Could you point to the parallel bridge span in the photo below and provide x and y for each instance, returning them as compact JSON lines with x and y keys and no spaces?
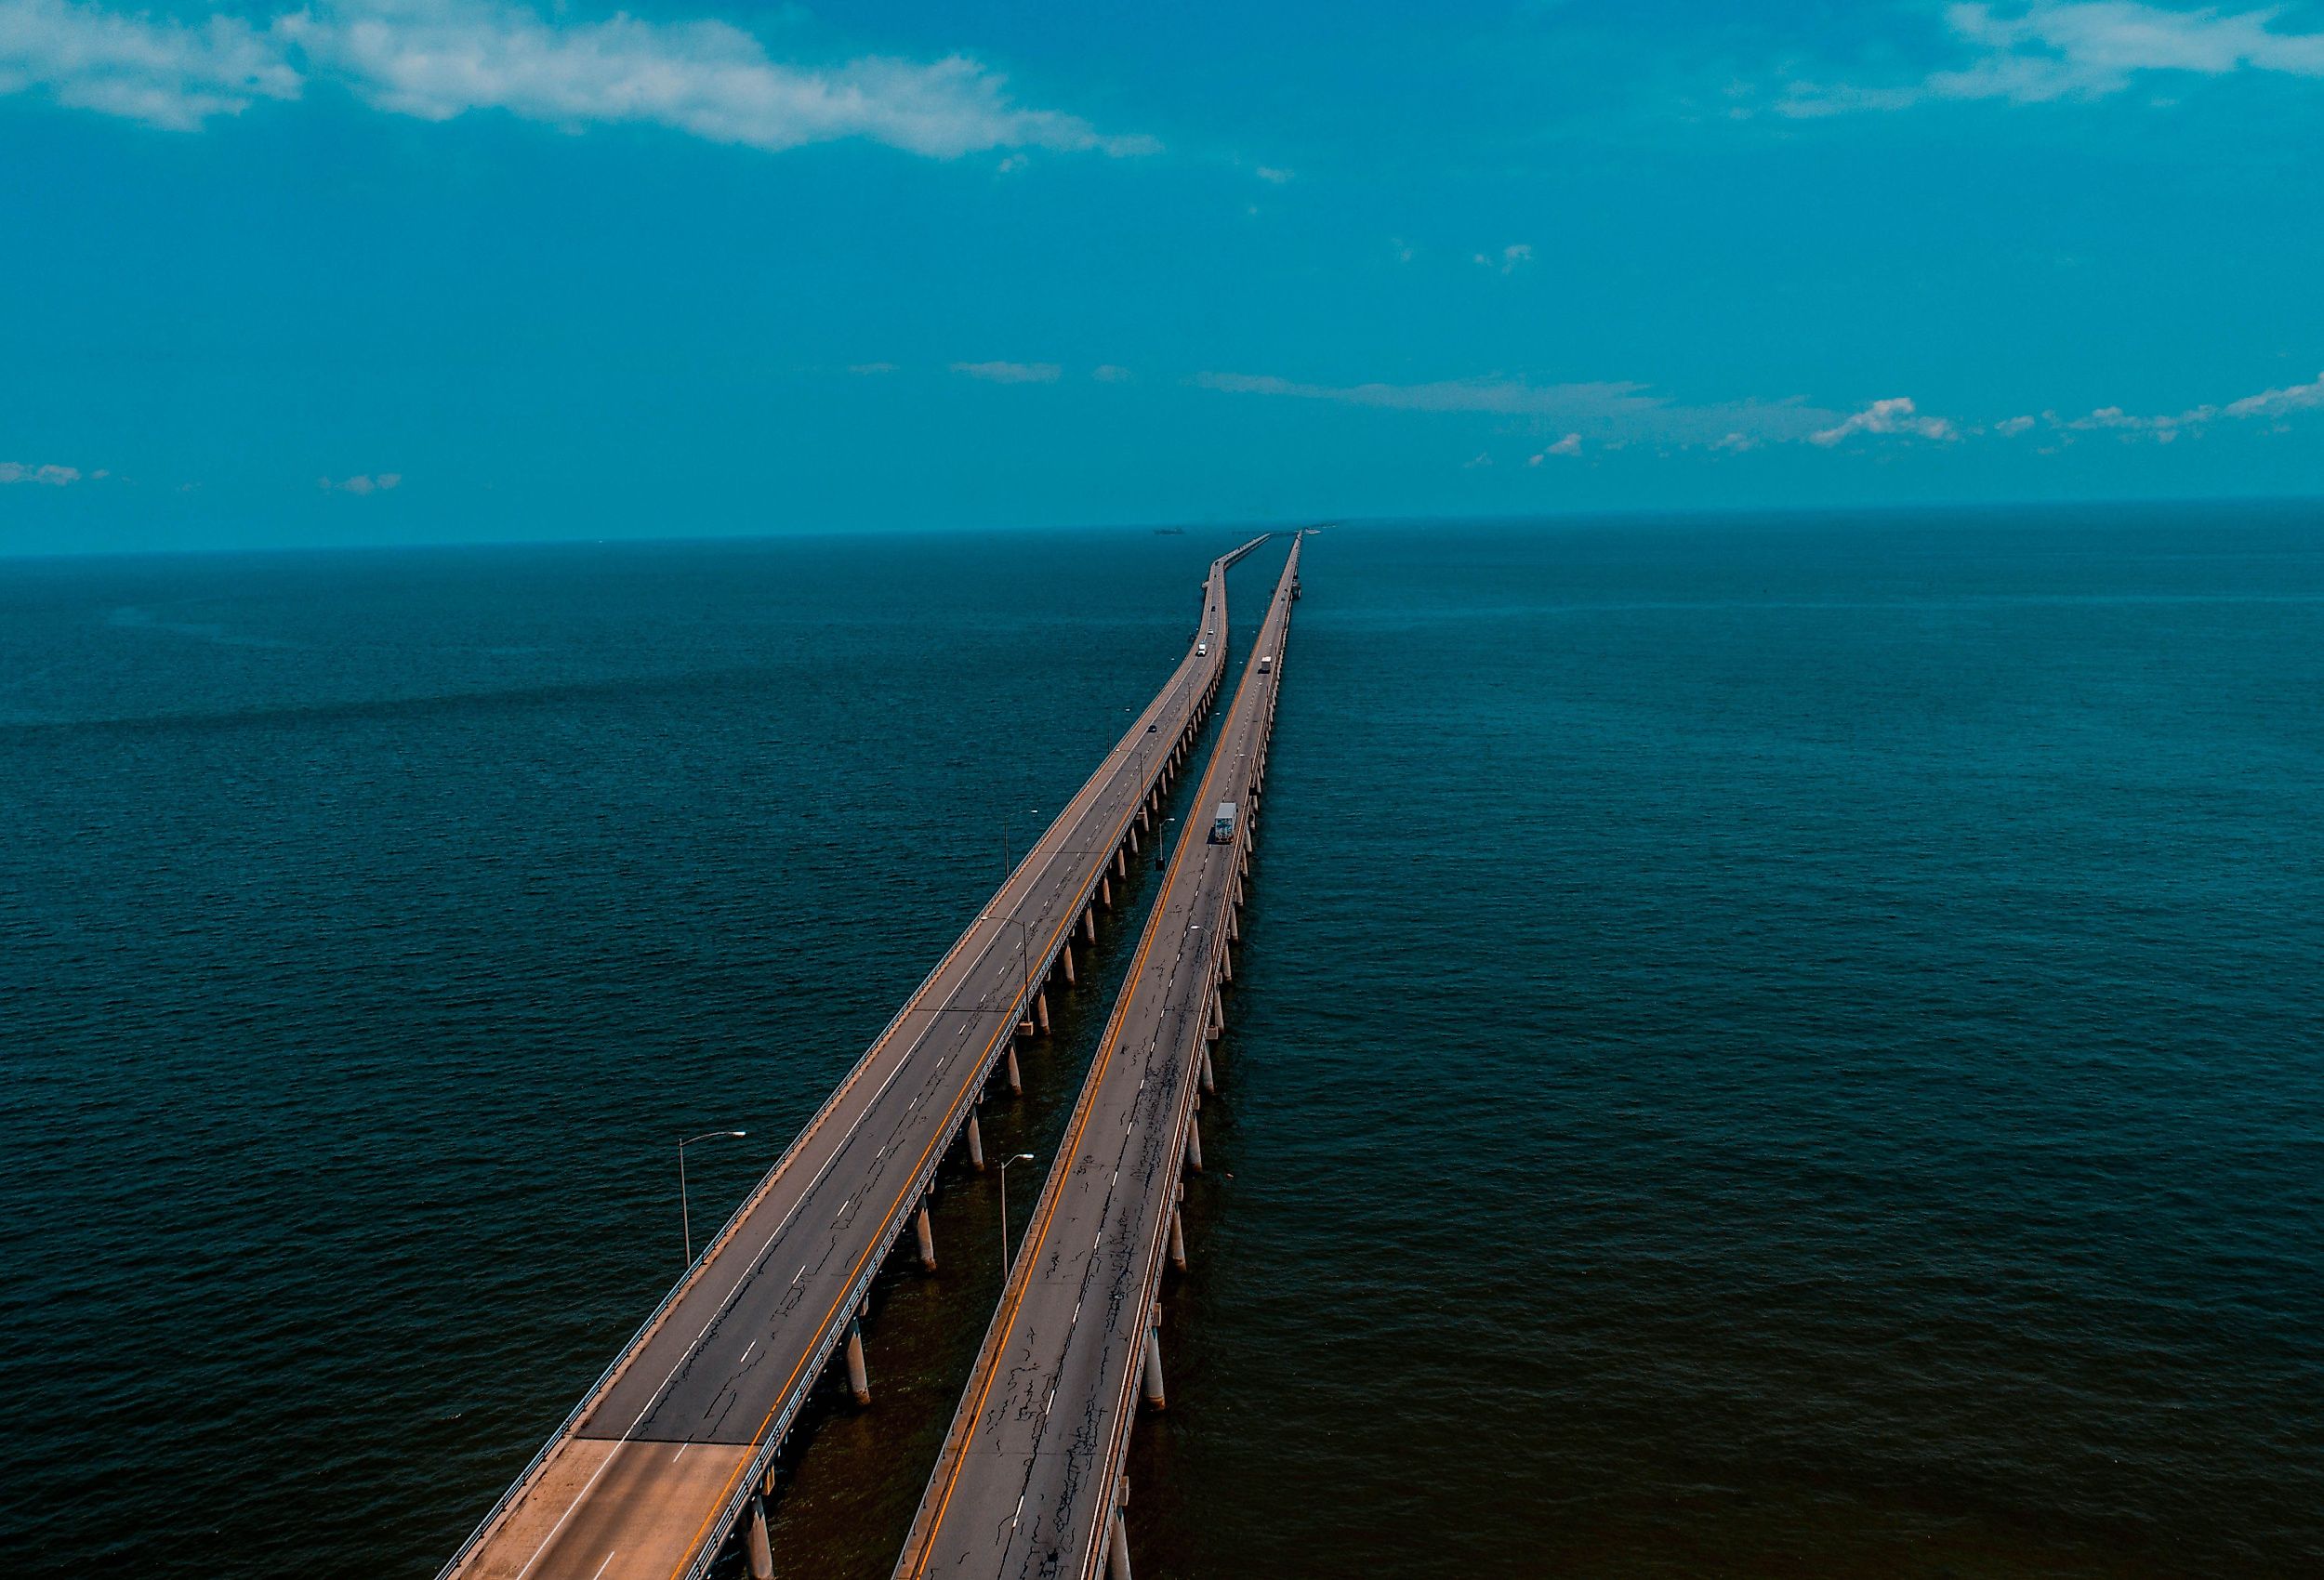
{"x":1030,"y":1482}
{"x":672,"y":1445}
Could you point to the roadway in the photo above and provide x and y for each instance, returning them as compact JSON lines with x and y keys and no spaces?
{"x":650,"y":1473}
{"x":1030,"y":1483}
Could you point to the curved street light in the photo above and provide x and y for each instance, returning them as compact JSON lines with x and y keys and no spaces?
{"x":1021,"y":1157}
{"x":1024,"y":965}
{"x":686,"y":1216}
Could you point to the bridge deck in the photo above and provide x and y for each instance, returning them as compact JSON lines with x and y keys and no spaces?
{"x":650,"y":1472}
{"x":1027,"y":1484}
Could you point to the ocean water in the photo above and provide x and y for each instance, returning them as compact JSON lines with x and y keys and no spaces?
{"x":1764,"y":1046}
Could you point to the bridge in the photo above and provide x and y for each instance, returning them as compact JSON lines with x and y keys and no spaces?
{"x":672,"y":1449}
{"x":1030,"y":1482}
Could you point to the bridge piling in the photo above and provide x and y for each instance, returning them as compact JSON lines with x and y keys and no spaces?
{"x":1154,"y":1362}
{"x":1178,"y":1235}
{"x":976,"y":1142}
{"x":1040,"y":1010}
{"x":858,"y":1377}
{"x":1194,"y":1143}
{"x":1016,"y":1080}
{"x":926,"y":1235}
{"x":1118,"y":1551}
{"x":761,"y":1554}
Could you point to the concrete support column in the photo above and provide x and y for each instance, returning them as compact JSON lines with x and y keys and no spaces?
{"x":1218,"y":1019}
{"x":1178,"y":1240}
{"x":1209,"y":1080}
{"x":1040,"y":1010}
{"x":1089,"y":924}
{"x":858,"y":1379}
{"x":1118,"y":1550}
{"x":1121,"y":859}
{"x":927,"y":1234}
{"x":1016,"y":1081}
{"x":976,"y":1142}
{"x":1194,"y":1143}
{"x":1226,"y":965}
{"x":761,"y":1554}
{"x":1154,"y":1367}
{"x":1234,"y":927}
{"x":1106,"y":890}
{"x":1066,"y":955}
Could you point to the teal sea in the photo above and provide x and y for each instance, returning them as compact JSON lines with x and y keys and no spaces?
{"x":1764,"y":1045}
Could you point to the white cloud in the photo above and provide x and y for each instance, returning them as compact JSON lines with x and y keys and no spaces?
{"x":2116,"y":417}
{"x":1508,"y":260}
{"x":53,"y":476}
{"x":1482,"y":458}
{"x":361,"y":483}
{"x":1270,"y":173}
{"x":1106,"y":373}
{"x":1607,"y":416}
{"x":2165,"y":427}
{"x":2080,"y":49}
{"x":1896,"y":416}
{"x":2274,"y":402}
{"x":867,"y":370}
{"x":1011,"y":373}
{"x":437,"y":60}
{"x":160,"y":71}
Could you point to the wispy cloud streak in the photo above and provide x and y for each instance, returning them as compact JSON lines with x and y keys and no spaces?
{"x":436,"y":60}
{"x":1589,"y":410}
{"x":1012,"y":373}
{"x":2078,"y":49}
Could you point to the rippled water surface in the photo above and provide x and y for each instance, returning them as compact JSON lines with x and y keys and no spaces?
{"x":1762,"y":1046}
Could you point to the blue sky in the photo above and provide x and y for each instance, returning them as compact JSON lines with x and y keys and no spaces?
{"x":376,"y":271}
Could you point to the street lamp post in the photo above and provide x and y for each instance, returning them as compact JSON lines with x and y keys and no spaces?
{"x":1008,"y":858}
{"x":686,"y":1216}
{"x":1021,"y":1157}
